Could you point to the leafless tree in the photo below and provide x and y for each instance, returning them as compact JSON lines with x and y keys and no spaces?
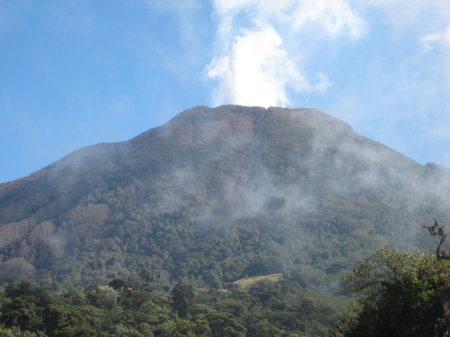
{"x":439,"y":230}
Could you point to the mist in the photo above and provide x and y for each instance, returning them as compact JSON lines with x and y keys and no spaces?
{"x":297,"y":185}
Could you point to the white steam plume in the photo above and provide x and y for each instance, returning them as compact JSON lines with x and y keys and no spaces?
{"x":256,"y":70}
{"x":259,"y":63}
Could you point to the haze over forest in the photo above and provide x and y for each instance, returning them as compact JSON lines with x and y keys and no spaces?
{"x":275,"y":189}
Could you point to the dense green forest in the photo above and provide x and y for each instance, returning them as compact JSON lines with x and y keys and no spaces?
{"x":283,"y":308}
{"x":395,"y":293}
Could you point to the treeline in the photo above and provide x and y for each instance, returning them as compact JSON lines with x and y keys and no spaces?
{"x":282,"y":308}
{"x":397,"y":294}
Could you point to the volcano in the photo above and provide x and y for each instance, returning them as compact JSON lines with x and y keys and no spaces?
{"x":217,"y":194}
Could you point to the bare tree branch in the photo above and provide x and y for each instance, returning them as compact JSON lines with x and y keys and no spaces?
{"x":439,"y":230}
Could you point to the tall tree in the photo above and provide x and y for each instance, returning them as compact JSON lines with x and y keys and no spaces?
{"x":400,"y":294}
{"x":182,"y":295}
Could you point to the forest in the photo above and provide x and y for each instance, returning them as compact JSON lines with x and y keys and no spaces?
{"x":390,"y":293}
{"x":281,"y":308}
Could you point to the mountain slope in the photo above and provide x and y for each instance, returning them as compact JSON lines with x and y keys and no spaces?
{"x":215,"y":195}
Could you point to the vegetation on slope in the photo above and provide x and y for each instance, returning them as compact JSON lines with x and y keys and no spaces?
{"x":400,"y":294}
{"x":265,"y":309}
{"x":217,"y":195}
{"x":250,"y":281}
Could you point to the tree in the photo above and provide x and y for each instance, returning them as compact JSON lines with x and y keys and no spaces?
{"x":400,"y":294}
{"x":22,"y":306}
{"x":119,"y":284}
{"x":439,"y":230}
{"x":182,"y":295}
{"x":224,"y":324}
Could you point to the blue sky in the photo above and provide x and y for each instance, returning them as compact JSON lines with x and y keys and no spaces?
{"x":79,"y":72}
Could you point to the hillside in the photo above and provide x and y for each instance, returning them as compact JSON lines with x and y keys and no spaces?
{"x":215,"y":195}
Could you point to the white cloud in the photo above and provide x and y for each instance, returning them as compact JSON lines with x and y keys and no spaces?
{"x":258,"y":70}
{"x":440,"y":38}
{"x":262,"y":6}
{"x":256,"y":65}
{"x":335,"y":16}
{"x":225,"y":6}
{"x":420,"y":14}
{"x":248,"y":72}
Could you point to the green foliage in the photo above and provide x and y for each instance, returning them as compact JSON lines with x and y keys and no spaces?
{"x":118,"y":284}
{"x":182,"y":295}
{"x":401,"y":294}
{"x":224,"y":324}
{"x":267,"y":308}
{"x":15,"y":332}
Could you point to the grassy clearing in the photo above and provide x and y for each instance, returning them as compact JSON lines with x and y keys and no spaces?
{"x":249,"y":281}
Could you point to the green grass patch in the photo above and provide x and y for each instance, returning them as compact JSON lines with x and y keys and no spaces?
{"x":249,"y":281}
